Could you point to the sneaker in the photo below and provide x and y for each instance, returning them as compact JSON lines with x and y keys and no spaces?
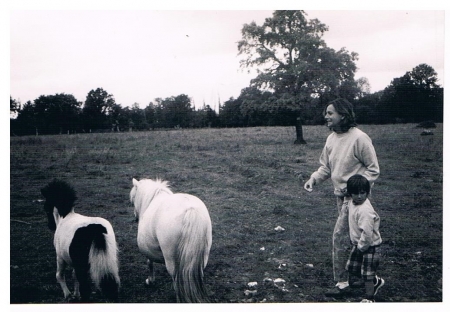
{"x":367,"y":301}
{"x":378,"y":285}
{"x":342,"y":285}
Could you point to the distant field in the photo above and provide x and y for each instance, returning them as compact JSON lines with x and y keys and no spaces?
{"x":251,"y":179}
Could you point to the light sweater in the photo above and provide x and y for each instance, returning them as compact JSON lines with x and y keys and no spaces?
{"x":346,"y":154}
{"x":364,"y":225}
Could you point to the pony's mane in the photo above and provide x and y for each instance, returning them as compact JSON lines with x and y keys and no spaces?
{"x":59,"y":194}
{"x":148,"y":189}
{"x":157,"y":185}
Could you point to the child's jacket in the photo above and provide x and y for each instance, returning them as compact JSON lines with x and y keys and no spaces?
{"x":364,"y":225}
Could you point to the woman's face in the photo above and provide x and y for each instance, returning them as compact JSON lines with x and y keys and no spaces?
{"x":333,"y":118}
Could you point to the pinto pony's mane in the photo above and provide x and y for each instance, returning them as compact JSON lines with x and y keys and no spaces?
{"x":148,"y":189}
{"x":59,"y":194}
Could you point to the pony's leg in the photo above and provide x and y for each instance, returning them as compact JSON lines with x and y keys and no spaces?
{"x":60,"y":267}
{"x":170,"y":267}
{"x":82,"y":276}
{"x":151,"y":277}
{"x":76,"y":291}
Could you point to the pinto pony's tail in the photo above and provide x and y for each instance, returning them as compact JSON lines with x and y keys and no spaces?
{"x":192,"y":257}
{"x":104,"y":264}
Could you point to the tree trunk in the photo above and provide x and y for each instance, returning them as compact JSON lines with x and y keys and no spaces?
{"x":299,"y":132}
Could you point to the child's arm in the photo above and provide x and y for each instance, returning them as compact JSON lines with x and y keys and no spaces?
{"x":366,"y":223}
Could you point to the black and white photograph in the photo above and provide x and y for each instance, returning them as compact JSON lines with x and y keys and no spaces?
{"x":248,"y":156}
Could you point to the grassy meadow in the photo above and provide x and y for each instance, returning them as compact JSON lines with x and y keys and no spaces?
{"x":251,"y":179}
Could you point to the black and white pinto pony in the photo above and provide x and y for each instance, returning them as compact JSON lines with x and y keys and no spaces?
{"x":88,"y":244}
{"x":174,"y":229}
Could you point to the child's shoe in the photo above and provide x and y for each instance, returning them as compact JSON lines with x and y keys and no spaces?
{"x":367,"y":301}
{"x":379,"y":283}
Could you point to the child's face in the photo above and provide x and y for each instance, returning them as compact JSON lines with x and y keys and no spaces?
{"x":359,"y":198}
{"x":332,"y":117}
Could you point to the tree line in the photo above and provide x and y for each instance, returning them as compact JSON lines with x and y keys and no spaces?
{"x":297,"y":75}
{"x":63,"y":113}
{"x":412,"y":98}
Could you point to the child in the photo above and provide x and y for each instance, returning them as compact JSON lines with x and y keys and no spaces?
{"x":364,"y":224}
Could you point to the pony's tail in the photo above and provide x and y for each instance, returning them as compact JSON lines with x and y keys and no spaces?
{"x":192,"y":256}
{"x":104,"y":264}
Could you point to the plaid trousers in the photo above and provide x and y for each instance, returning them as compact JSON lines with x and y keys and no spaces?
{"x":364,"y":264}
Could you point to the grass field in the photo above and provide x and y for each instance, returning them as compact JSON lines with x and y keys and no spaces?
{"x":252,"y":180}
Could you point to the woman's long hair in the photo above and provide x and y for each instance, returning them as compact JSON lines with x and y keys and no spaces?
{"x":345,"y":109}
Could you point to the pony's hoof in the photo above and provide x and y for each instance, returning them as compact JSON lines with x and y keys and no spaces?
{"x":72,"y":299}
{"x":148,"y":283}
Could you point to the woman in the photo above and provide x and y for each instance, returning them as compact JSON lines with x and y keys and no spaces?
{"x":347,"y":151}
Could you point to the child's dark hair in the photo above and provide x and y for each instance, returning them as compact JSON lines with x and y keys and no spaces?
{"x":345,"y":109}
{"x":356,"y":184}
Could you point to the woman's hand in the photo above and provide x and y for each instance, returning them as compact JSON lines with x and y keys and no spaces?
{"x":309,"y":184}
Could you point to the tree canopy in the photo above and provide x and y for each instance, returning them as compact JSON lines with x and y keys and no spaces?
{"x":97,"y":109}
{"x":294,"y":62}
{"x":293,"y":59}
{"x":53,"y":113}
{"x":414,"y":97}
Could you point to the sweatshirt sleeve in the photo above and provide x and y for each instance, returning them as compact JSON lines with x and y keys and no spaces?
{"x":324,"y":171}
{"x":368,"y":157}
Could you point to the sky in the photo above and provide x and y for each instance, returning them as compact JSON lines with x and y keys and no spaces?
{"x":140,"y":55}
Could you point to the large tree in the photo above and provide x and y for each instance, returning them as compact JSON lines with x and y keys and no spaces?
{"x":57,"y":113}
{"x":414,"y":97}
{"x":97,"y":109}
{"x":174,"y":111}
{"x":295,"y":64}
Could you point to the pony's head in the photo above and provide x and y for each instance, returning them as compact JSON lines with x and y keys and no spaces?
{"x":58,"y":195}
{"x":143,"y":192}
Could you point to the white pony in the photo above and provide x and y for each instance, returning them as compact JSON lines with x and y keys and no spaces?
{"x":174,"y":229}
{"x":88,"y":244}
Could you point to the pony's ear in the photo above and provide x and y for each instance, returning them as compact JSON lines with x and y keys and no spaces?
{"x":135,"y":182}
